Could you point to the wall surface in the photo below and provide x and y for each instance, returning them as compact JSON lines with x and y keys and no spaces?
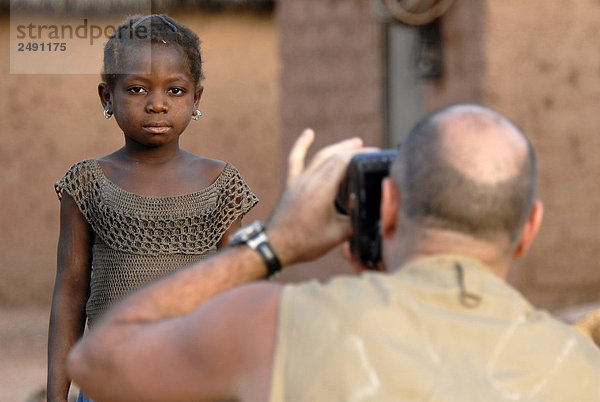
{"x":319,"y":65}
{"x":330,"y":81}
{"x":543,"y":70}
{"x":464,"y":55}
{"x":53,"y":121}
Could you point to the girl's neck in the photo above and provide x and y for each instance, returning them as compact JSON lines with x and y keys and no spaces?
{"x":142,"y":154}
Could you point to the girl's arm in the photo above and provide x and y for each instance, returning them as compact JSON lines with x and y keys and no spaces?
{"x":71,"y":291}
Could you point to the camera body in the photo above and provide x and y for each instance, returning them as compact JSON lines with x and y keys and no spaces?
{"x":359,"y":197}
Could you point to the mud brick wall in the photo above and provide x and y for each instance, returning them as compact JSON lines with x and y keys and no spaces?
{"x":330,"y":80}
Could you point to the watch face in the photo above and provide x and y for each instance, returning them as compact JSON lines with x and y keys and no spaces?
{"x":255,"y":238}
{"x":246,"y":233}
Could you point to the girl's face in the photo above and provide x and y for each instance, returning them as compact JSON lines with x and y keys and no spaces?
{"x":154,"y":107}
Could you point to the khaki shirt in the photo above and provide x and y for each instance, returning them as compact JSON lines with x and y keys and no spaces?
{"x":442,"y":328}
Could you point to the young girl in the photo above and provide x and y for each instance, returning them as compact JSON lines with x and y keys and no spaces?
{"x":148,"y":208}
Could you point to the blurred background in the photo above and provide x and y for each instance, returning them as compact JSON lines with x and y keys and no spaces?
{"x":368,"y":68}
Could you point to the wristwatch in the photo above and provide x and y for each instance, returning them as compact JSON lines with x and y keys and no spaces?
{"x":254,"y":237}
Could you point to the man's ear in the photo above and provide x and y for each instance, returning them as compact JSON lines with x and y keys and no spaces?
{"x":530,"y":229}
{"x":389,"y":208}
{"x":105,"y":95}
{"x":198,"y":95}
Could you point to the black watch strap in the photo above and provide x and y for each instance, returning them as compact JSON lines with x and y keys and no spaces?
{"x":254,"y":236}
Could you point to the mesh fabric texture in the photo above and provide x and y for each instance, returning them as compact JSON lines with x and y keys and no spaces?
{"x":139,"y":239}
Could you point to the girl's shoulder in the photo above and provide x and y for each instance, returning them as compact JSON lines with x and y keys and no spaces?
{"x":234,"y":194}
{"x":110,"y":165}
{"x":223,"y":176}
{"x":78,"y":177}
{"x":212,"y":169}
{"x":83,"y":166}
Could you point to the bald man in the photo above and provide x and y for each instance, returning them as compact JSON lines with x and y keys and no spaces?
{"x":440,"y":325}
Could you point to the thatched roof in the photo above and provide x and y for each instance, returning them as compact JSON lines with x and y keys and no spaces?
{"x":108,"y":6}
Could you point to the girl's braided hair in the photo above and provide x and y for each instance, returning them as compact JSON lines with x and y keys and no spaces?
{"x":157,"y":29}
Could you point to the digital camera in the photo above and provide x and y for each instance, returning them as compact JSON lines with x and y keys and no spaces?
{"x":359,"y":196}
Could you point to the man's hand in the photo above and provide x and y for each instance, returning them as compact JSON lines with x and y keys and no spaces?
{"x":305,"y":224}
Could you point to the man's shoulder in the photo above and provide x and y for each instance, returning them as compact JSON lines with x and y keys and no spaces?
{"x":340,"y":293}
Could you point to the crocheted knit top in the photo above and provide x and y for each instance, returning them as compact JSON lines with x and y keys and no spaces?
{"x":139,"y":238}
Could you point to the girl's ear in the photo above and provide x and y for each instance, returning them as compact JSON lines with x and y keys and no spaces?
{"x":198,"y":94}
{"x":105,"y":95}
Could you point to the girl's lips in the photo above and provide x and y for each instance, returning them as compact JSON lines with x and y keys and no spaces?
{"x":157,"y":129}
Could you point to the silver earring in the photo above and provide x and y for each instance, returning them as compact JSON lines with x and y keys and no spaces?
{"x":196,"y":114}
{"x":108,"y":113}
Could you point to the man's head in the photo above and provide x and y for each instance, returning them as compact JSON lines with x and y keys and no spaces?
{"x":467,"y":170}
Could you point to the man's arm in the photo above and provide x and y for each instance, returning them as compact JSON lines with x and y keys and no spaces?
{"x":150,"y":348}
{"x":187,"y":337}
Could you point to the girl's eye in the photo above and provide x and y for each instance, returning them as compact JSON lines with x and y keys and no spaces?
{"x":136,"y":90}
{"x":176,"y":91}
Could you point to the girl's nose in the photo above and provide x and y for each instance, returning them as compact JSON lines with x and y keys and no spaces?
{"x":157,"y":104}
